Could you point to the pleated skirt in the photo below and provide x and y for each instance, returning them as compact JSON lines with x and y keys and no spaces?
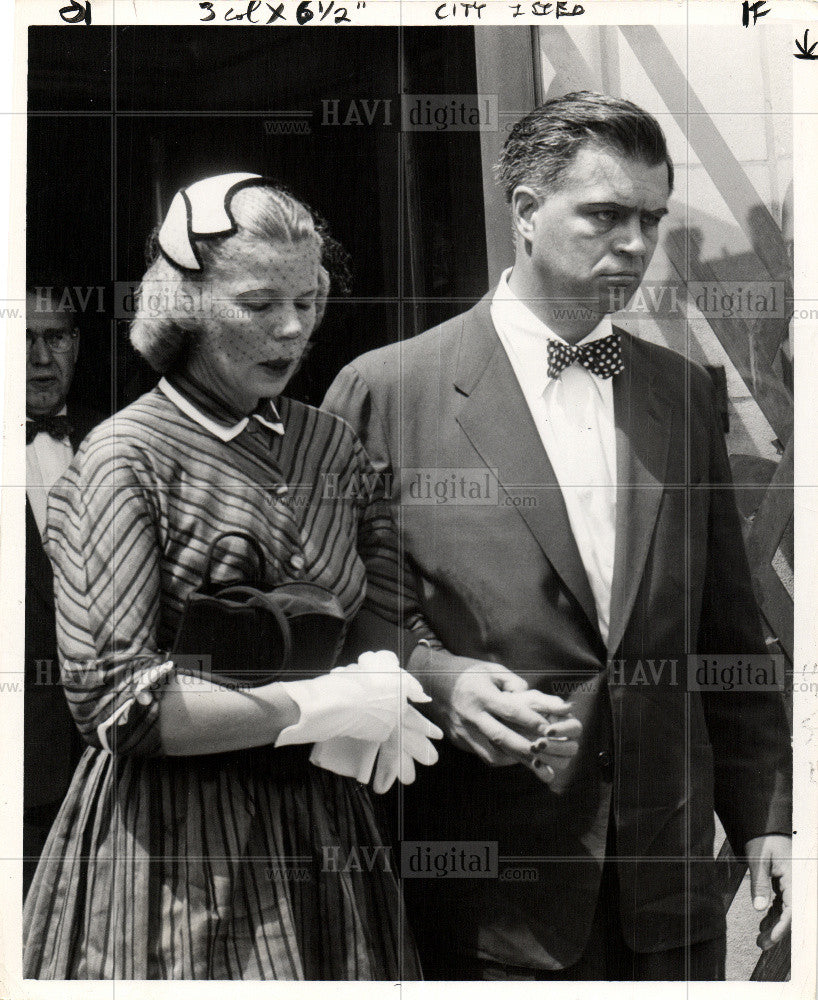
{"x":246,"y":866}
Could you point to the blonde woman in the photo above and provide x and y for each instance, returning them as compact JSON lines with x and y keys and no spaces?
{"x":193,"y":841}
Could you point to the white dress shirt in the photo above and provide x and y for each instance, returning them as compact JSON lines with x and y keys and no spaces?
{"x":574,"y":416}
{"x":46,"y":460}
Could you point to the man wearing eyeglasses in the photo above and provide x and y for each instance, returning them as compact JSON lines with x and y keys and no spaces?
{"x":54,"y":429}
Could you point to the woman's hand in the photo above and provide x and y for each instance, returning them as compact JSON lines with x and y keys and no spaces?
{"x":409,"y":740}
{"x":363,"y":701}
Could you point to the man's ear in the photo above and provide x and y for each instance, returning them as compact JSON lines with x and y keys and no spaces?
{"x":75,"y":347}
{"x":524,"y":203}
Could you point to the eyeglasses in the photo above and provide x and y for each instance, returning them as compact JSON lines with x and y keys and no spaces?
{"x":57,"y":341}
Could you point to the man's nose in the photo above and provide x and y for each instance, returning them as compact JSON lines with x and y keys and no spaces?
{"x":40,"y":352}
{"x":630,"y":239}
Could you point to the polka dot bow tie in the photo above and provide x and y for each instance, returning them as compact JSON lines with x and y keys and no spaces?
{"x":603,"y":357}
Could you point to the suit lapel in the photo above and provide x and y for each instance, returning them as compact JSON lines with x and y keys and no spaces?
{"x":643,"y":430}
{"x":498,"y":423}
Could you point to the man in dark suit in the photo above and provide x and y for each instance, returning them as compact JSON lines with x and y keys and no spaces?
{"x":54,"y":430}
{"x":566,"y":535}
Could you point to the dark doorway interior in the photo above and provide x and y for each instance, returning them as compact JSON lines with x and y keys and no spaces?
{"x":120,"y":118}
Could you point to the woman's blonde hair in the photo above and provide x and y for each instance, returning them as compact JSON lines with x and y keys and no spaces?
{"x":164,"y":328}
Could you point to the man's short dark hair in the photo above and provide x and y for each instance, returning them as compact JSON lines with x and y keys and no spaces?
{"x":543,"y":143}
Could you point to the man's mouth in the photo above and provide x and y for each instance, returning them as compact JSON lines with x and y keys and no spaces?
{"x":278,"y":367}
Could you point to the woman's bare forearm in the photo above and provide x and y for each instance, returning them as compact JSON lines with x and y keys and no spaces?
{"x":199,"y":717}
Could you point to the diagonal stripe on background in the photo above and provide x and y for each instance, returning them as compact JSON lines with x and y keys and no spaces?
{"x":709,"y":145}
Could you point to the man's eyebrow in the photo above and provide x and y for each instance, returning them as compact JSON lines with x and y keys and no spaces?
{"x":597,"y":205}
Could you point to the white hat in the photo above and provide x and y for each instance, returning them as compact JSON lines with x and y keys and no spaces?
{"x":200,"y":211}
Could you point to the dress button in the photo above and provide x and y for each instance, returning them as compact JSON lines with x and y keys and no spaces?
{"x":605,"y":760}
{"x":297,"y":562}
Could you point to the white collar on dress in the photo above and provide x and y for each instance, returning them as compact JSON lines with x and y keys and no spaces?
{"x":218,"y":430}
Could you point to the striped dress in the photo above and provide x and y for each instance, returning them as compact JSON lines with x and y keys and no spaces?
{"x":244,"y":865}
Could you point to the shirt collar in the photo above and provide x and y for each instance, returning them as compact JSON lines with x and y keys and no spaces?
{"x":195,"y":402}
{"x":526,"y":335}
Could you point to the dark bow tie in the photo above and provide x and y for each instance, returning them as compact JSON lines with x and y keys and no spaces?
{"x":603,"y":357}
{"x":57,"y":427}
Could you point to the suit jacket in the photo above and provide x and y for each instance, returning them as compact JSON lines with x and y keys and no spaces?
{"x":51,"y":742}
{"x":501,"y":579}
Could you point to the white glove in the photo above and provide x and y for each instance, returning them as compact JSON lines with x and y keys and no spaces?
{"x":346,"y":756}
{"x":407,"y":742}
{"x":362,"y":701}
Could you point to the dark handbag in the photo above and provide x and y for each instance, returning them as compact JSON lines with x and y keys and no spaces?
{"x":240,"y":635}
